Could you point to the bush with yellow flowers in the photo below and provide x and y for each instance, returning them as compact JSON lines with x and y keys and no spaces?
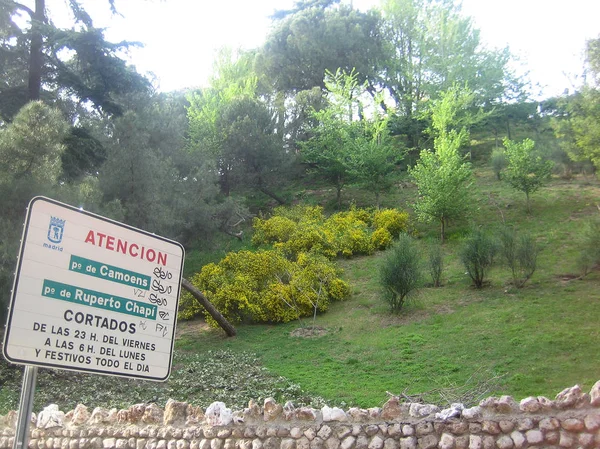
{"x":305,"y":229}
{"x":394,"y":220}
{"x":266,"y":287}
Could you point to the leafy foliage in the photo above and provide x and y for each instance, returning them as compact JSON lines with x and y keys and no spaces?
{"x":436,"y":264}
{"x":266,"y":287}
{"x":589,"y":246}
{"x":477,"y":256}
{"x":525,"y":171}
{"x":400,"y":272}
{"x":520,"y":255}
{"x":498,"y":162}
{"x":443,"y":178}
{"x":199,"y":378}
{"x":32,"y":144}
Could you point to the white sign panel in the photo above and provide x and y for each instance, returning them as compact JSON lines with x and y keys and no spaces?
{"x":94,"y":295}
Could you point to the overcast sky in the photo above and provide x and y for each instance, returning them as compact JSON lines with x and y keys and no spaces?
{"x":181,"y":36}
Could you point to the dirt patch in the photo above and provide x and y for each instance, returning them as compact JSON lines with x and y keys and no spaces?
{"x":193,"y":327}
{"x":309,"y":332}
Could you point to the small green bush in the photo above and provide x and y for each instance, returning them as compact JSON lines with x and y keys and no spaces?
{"x":589,"y":246}
{"x":498,"y":162}
{"x":477,"y":256}
{"x":266,"y":287}
{"x":519,"y":254}
{"x":436,"y":263}
{"x":400,"y":272}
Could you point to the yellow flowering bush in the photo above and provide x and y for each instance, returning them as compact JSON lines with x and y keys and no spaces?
{"x":394,"y":220}
{"x":381,"y":238}
{"x":266,"y":287}
{"x":305,"y":229}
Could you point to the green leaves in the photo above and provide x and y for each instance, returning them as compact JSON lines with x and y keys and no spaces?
{"x":31,"y":146}
{"x":525,"y":170}
{"x":443,"y":178}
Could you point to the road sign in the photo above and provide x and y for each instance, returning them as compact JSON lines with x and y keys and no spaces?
{"x":93,"y":295}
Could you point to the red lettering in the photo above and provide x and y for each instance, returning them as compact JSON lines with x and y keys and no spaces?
{"x":110,"y":242}
{"x":151,"y":255}
{"x":162,"y":259}
{"x":90,"y":238}
{"x":131,"y":249}
{"x":101,"y":236}
{"x":122,"y":246}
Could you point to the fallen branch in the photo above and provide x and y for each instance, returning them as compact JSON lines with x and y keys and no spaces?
{"x":220,"y":319}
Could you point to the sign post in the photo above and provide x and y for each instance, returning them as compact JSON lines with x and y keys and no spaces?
{"x":93,"y":295}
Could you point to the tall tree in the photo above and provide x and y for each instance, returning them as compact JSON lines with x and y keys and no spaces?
{"x":231,"y":126}
{"x":442,"y":176}
{"x":328,"y":150}
{"x":526,"y":171}
{"x":579,"y":127}
{"x":318,"y":36}
{"x":431,"y":46}
{"x":90,"y":70}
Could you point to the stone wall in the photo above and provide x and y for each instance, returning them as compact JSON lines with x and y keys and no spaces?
{"x":571,"y":420}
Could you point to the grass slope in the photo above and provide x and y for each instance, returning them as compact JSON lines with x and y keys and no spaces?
{"x":533,"y":341}
{"x":538,"y":339}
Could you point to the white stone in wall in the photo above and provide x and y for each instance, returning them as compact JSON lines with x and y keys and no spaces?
{"x":572,"y":396}
{"x":518,"y":439}
{"x":453,"y":412}
{"x":592,"y":422}
{"x":50,"y":417}
{"x":348,"y":443}
{"x":375,"y":443}
{"x":595,"y":394}
{"x":472,"y":413}
{"x":534,"y":436}
{"x":333,"y":414}
{"x":566,"y":439}
{"x":217,"y":414}
{"x":358,"y":414}
{"x":421,"y":410}
{"x":530,"y":405}
{"x":408,"y":443}
{"x":505,"y":442}
{"x":545,"y":403}
{"x":447,"y":441}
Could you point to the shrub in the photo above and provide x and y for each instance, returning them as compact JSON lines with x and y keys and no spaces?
{"x":589,"y":246}
{"x":436,"y":264}
{"x":519,"y":254}
{"x":381,"y":238}
{"x":276,"y":229}
{"x":477,"y":255}
{"x":302,"y":229}
{"x":400,"y":273}
{"x":266,"y":287}
{"x":350,"y":234}
{"x":395,"y":221}
{"x":498,"y":162}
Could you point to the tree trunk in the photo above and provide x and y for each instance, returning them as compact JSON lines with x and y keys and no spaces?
{"x":34,"y":86}
{"x":269,"y":192}
{"x":528,"y":205}
{"x":220,"y":319}
{"x":443,"y":230}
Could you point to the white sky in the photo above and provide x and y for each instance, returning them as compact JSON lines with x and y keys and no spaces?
{"x":182,"y":36}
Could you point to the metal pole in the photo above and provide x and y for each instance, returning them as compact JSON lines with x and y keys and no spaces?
{"x":25,"y":407}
